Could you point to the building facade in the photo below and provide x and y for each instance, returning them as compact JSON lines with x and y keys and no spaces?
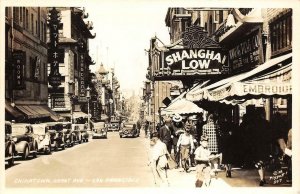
{"x":26,"y":58}
{"x":73,"y":40}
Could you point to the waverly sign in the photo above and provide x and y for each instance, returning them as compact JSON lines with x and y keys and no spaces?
{"x":183,"y":62}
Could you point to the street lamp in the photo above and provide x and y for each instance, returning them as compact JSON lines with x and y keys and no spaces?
{"x":88,"y":96}
{"x":71,"y":92}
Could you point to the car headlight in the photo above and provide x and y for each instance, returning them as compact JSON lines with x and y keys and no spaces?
{"x":41,"y":138}
{"x":15,"y":139}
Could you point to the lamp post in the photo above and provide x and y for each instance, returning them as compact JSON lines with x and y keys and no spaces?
{"x":88,"y":96}
{"x":71,"y":92}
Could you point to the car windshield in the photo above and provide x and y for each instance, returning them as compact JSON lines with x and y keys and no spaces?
{"x":39,"y":129}
{"x":18,"y":130}
{"x":99,"y":125}
{"x":128,"y":125}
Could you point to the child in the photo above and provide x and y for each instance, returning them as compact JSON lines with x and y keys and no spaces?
{"x":203,"y":157}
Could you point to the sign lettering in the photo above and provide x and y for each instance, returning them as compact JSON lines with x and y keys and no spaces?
{"x":247,"y":53}
{"x":18,"y":58}
{"x":54,"y":76}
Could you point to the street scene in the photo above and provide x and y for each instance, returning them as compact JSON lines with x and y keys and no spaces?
{"x":197,"y":97}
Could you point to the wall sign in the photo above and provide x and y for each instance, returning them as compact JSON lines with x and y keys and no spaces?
{"x":247,"y":53}
{"x":95,"y":109}
{"x":54,"y":25}
{"x":18,"y":58}
{"x":58,"y":101}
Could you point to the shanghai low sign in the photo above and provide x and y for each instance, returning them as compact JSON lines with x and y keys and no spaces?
{"x":192,"y":62}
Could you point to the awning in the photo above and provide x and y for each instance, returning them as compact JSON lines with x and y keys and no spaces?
{"x":33,"y":111}
{"x":38,"y":111}
{"x":181,"y":106}
{"x":276,"y":84}
{"x":13,"y":112}
{"x":232,"y":86}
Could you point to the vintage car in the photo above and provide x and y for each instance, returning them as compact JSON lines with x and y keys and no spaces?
{"x":99,"y":130}
{"x":43,"y":137}
{"x":114,"y":125}
{"x":56,"y":135}
{"x":10,"y":147}
{"x":128,"y":130}
{"x":69,"y":135}
{"x":77,"y":131}
{"x":26,"y":144}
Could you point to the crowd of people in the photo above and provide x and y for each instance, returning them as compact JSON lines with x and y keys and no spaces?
{"x":216,"y":143}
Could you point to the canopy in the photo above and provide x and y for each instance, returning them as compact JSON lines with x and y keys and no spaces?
{"x":182,"y":106}
{"x":243,"y":85}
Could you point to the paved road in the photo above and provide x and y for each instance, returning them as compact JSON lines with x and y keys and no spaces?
{"x":111,"y":162}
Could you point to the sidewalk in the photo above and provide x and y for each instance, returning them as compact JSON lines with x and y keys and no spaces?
{"x":240,"y":178}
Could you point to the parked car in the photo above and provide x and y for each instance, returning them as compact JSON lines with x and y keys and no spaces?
{"x":56,"y":135}
{"x":77,"y":132}
{"x":43,"y":137}
{"x":26,"y":144}
{"x":100,"y":130}
{"x":114,"y":125}
{"x":10,"y":147}
{"x":128,"y":130}
{"x":69,"y":135}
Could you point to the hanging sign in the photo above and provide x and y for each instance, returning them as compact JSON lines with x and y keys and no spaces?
{"x":191,"y":62}
{"x":54,"y":77}
{"x":81,"y":86}
{"x":18,"y":58}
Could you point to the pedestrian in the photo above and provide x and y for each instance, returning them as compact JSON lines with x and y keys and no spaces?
{"x":165,"y":133}
{"x":203,"y":157}
{"x":177,"y":130}
{"x":146,"y":127}
{"x":212,"y":131}
{"x":186,"y":145}
{"x":260,"y":140}
{"x":159,"y":160}
{"x":138,"y":126}
{"x":199,"y":124}
{"x":227,"y":144}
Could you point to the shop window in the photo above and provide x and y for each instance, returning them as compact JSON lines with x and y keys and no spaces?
{"x":221,"y":16}
{"x":281,"y":34}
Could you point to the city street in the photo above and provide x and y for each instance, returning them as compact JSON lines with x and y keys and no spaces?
{"x":111,"y":162}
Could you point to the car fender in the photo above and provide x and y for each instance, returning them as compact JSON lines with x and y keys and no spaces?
{"x":21,"y":145}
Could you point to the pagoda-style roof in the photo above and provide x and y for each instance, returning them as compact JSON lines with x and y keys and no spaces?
{"x":102,"y":70}
{"x":85,"y":27}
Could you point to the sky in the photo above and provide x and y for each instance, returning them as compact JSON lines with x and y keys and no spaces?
{"x":123,"y":32}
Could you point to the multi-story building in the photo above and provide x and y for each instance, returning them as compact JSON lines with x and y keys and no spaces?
{"x":26,"y":80}
{"x":74,"y":69}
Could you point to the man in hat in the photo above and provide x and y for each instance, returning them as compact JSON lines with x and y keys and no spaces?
{"x":186,"y":145}
{"x":177,"y":130}
{"x":165,"y":134}
{"x":159,"y":160}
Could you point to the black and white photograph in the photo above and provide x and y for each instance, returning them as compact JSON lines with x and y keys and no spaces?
{"x":150,"y":95}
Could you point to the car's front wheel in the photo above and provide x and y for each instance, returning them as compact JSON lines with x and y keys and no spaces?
{"x":25,"y":153}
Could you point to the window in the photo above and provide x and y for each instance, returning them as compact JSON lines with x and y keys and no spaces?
{"x":221,"y":17}
{"x":16,"y":14}
{"x":42,"y":31}
{"x":281,"y":34}
{"x":27,"y":20}
{"x":36,"y":28}
{"x":6,"y":11}
{"x":45,"y":32}
{"x":21,"y":14}
{"x":32,"y":24}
